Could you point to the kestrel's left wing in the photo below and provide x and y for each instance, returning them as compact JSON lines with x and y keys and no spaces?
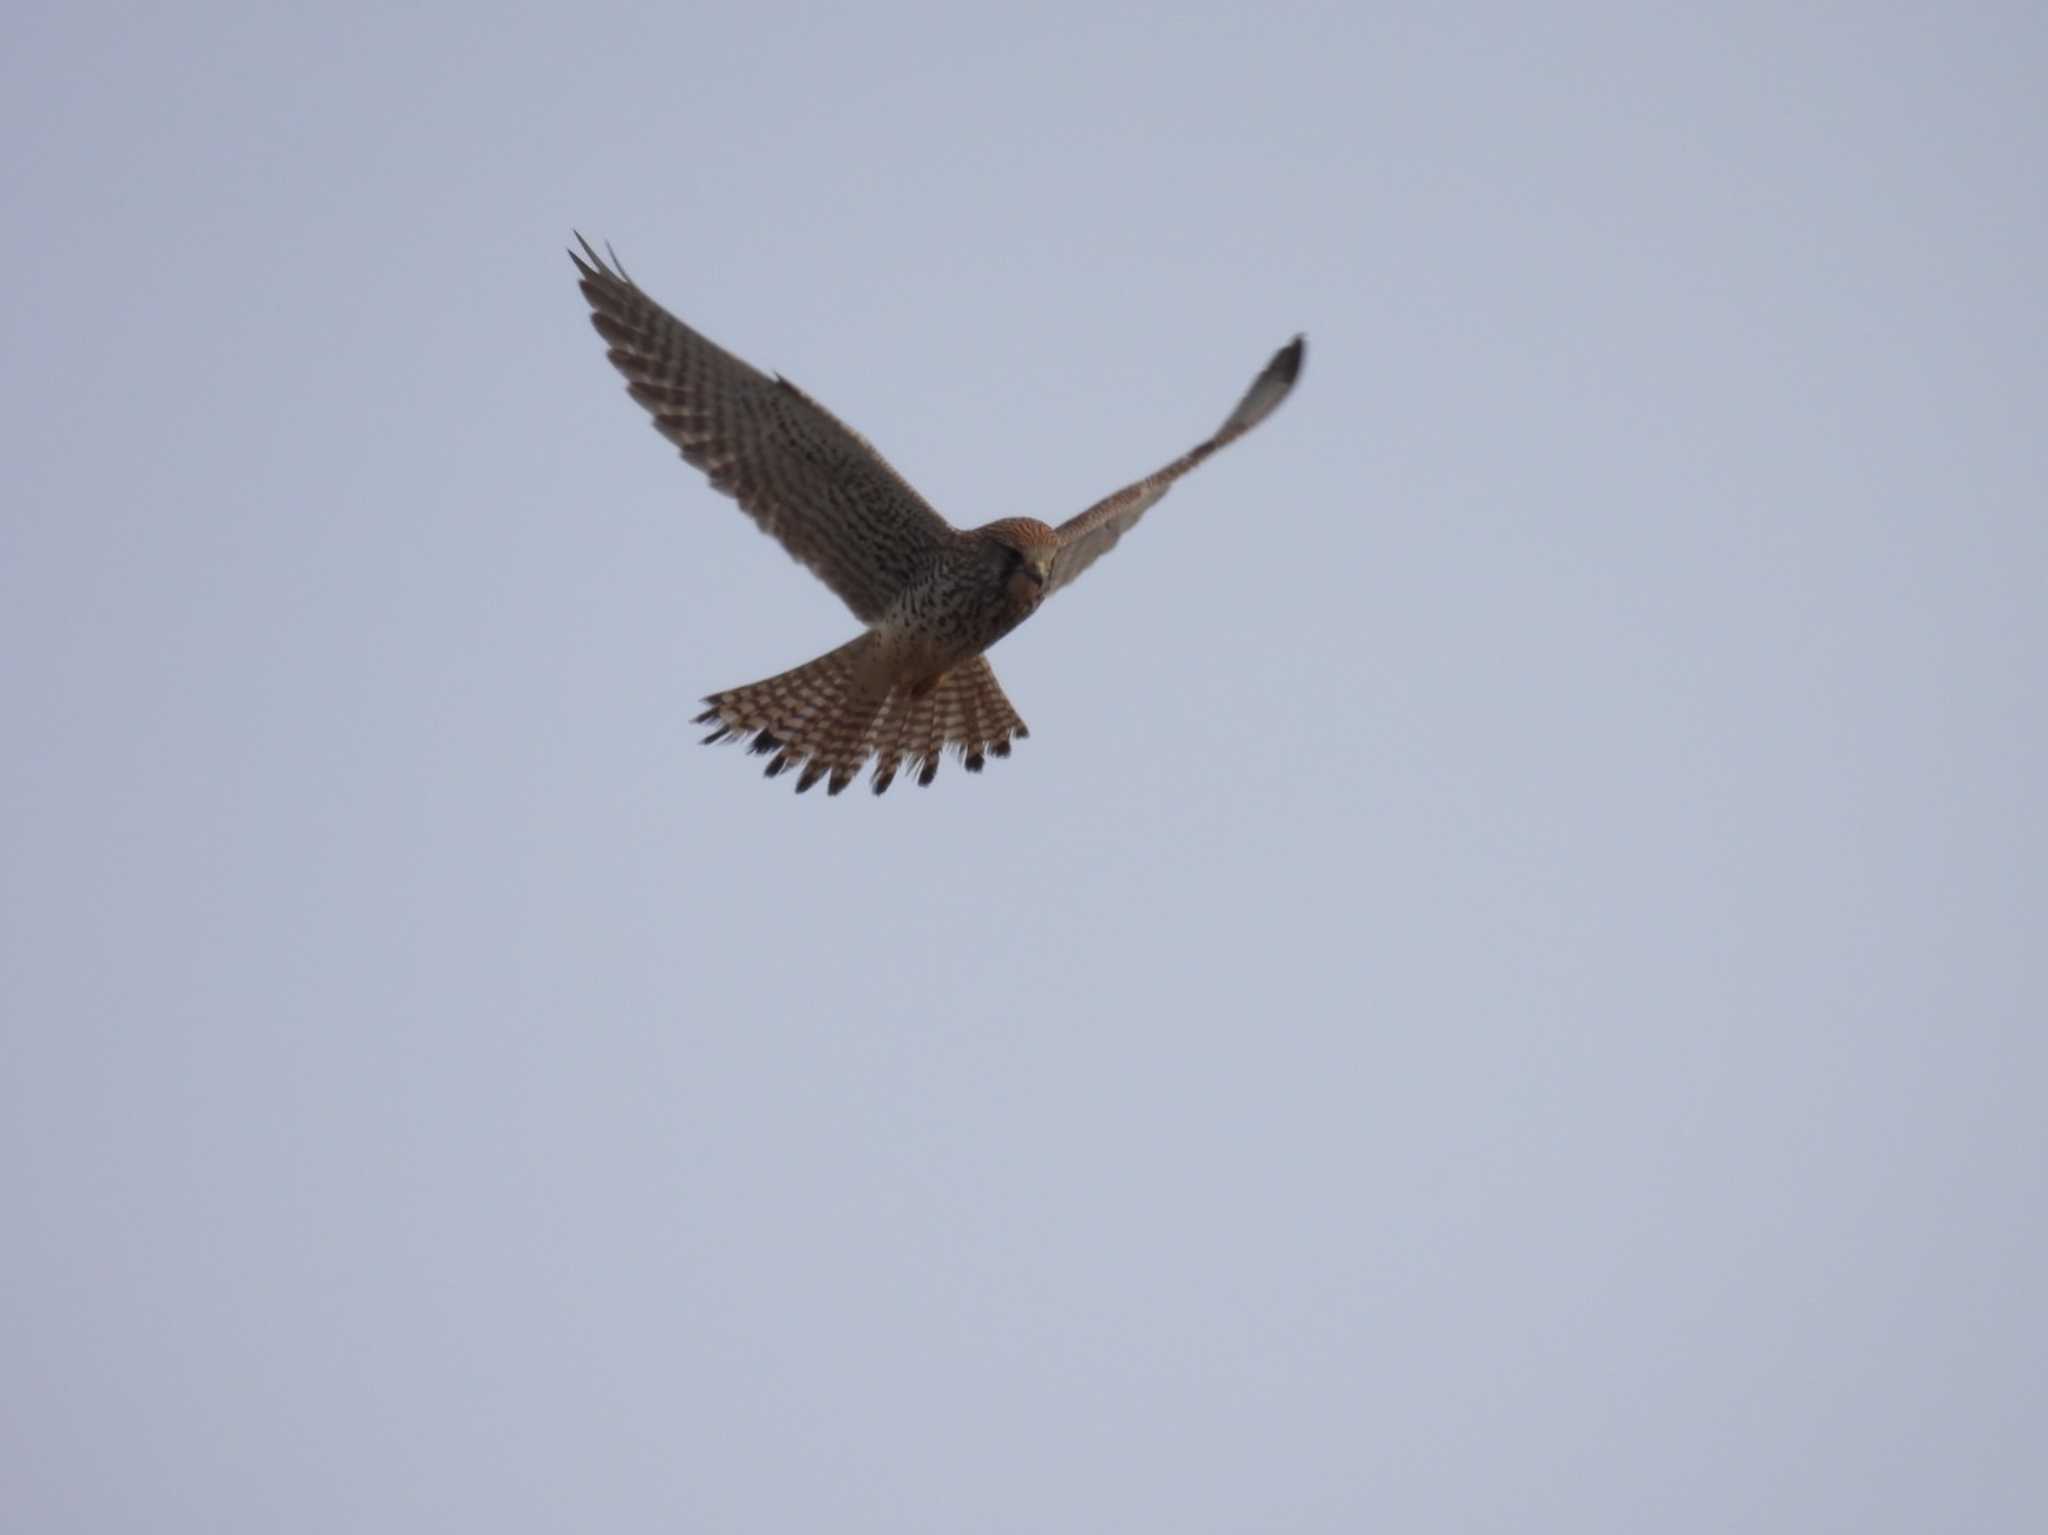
{"x":1086,"y":538}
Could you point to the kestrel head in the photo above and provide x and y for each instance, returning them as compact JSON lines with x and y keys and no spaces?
{"x":1026,"y":548}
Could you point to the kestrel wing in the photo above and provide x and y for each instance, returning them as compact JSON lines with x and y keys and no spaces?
{"x":1086,"y":538}
{"x":797,"y":470}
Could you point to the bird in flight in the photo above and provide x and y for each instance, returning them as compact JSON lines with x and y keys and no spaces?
{"x":916,"y":681}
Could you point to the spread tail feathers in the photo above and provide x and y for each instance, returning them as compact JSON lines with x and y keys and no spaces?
{"x":966,"y":711}
{"x":816,"y":714}
{"x":830,"y":715}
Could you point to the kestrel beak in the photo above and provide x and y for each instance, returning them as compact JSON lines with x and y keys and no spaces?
{"x":1038,"y":565}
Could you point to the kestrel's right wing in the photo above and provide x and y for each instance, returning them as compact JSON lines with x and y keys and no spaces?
{"x":1086,"y":538}
{"x":799,"y":472}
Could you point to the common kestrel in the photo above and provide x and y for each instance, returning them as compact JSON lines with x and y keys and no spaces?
{"x":916,"y":681}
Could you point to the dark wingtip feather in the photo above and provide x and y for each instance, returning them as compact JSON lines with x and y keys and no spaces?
{"x":1287,"y":361}
{"x":596,"y":268}
{"x":973,"y":762}
{"x":762,"y":745}
{"x":778,"y":765}
{"x":928,"y":772}
{"x":1274,"y":383}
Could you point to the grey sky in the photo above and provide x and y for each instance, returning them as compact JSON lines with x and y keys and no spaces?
{"x":1503,"y":992}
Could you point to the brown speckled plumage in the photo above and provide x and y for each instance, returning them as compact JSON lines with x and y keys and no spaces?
{"x":915,"y":683}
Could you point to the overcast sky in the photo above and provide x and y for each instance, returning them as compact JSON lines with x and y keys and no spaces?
{"x":1504,"y":991}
